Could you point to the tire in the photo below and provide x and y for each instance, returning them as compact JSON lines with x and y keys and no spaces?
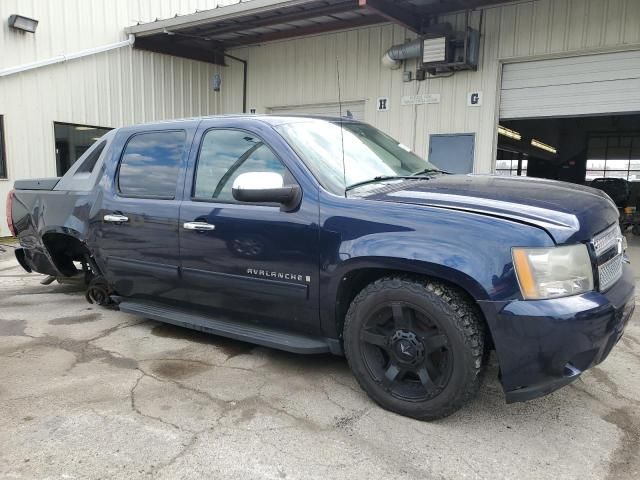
{"x":415,"y":346}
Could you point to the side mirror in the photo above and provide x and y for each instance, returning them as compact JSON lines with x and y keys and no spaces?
{"x":266,"y":187}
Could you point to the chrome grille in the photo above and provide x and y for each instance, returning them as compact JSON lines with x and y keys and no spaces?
{"x":609,"y":270}
{"x":607,"y":239}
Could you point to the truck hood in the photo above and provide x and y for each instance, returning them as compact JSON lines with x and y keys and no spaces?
{"x":568,"y":212}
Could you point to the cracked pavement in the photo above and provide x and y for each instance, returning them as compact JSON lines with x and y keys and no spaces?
{"x":88,"y":392}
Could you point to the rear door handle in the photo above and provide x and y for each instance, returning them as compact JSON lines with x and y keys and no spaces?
{"x":199,"y":226}
{"x":115,"y":218}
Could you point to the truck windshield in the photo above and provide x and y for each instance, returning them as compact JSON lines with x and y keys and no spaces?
{"x":369,"y":154}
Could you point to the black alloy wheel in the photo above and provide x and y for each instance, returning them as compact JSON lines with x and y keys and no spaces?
{"x":415,"y":346}
{"x":406,"y":352}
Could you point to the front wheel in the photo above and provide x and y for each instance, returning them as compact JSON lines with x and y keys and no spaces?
{"x":415,"y":346}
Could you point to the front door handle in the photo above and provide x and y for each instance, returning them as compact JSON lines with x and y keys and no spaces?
{"x":115,"y":218}
{"x":199,"y":226}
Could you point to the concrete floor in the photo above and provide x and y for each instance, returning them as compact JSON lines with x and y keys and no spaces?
{"x":87,"y":392}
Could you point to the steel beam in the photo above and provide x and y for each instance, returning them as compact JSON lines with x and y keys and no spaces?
{"x":193,"y":49}
{"x":364,"y":20}
{"x":403,"y":16}
{"x":275,"y":19}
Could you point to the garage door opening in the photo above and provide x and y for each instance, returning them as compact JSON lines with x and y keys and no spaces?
{"x":577,"y":150}
{"x":575,"y":119}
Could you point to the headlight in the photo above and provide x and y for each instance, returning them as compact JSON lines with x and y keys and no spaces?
{"x":553,"y":272}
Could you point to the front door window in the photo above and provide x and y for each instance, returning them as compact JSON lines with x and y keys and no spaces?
{"x":224,"y":155}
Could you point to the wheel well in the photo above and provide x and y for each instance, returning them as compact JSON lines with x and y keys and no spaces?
{"x":355,"y":281}
{"x":64,"y":250}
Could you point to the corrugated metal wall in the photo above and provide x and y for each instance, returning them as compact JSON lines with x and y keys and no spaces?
{"x":70,"y":25}
{"x":303,"y":71}
{"x":542,"y":29}
{"x":110,"y":89}
{"x":124,"y":86}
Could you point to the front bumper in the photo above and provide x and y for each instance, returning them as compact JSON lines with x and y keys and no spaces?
{"x":543,"y":345}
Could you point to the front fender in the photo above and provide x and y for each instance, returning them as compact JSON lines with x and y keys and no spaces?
{"x":470,"y":250}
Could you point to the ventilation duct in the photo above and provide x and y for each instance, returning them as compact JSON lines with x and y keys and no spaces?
{"x":395,"y":55}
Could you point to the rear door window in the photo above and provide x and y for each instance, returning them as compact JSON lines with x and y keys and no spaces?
{"x":151,"y":163}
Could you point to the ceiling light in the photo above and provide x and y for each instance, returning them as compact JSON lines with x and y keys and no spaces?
{"x":507,"y":132}
{"x":82,"y":129}
{"x":25,"y":24}
{"x":543,"y":146}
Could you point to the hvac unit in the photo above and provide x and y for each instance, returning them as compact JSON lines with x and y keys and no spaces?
{"x":451,"y":52}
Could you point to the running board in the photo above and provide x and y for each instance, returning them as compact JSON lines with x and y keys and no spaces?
{"x":267,"y":337}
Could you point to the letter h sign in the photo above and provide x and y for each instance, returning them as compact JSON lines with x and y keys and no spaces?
{"x":383,"y":104}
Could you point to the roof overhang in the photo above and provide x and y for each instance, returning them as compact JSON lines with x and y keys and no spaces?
{"x":207,"y":34}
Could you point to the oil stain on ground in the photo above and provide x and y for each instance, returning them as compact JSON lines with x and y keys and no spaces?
{"x":83,"y":350}
{"x":231,"y":348}
{"x":75,"y":319}
{"x":625,"y":456}
{"x":177,"y":369}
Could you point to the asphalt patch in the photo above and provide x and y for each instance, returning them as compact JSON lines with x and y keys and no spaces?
{"x":12,"y":328}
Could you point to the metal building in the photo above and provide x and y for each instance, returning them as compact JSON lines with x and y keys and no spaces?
{"x":547,"y":88}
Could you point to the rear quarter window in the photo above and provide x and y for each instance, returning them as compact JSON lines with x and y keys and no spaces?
{"x":89,"y":163}
{"x":150,"y":164}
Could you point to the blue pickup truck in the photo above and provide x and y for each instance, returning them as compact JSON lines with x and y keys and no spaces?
{"x":317,"y":235}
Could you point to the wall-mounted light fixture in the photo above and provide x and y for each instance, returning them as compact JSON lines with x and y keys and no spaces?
{"x":216,"y":82}
{"x":25,"y":24}
{"x":543,"y":146}
{"x":507,"y":132}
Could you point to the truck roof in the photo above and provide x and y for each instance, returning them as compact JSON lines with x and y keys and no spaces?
{"x":265,"y":118}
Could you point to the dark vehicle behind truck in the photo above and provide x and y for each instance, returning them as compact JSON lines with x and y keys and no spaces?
{"x":325,"y":235}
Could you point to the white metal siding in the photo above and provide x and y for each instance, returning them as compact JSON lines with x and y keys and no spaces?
{"x":581,"y":85}
{"x":326,"y":109}
{"x":110,"y":89}
{"x":303,"y":71}
{"x":70,"y":25}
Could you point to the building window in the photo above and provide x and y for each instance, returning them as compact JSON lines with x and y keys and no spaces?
{"x":511,"y":163}
{"x":613,"y":156}
{"x":151,"y":163}
{"x":72,"y":141}
{"x":3,"y":158}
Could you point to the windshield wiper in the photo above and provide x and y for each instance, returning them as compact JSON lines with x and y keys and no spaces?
{"x":427,"y":171}
{"x":380,"y":179}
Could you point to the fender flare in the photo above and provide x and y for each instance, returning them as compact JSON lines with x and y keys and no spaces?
{"x":331,"y":316}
